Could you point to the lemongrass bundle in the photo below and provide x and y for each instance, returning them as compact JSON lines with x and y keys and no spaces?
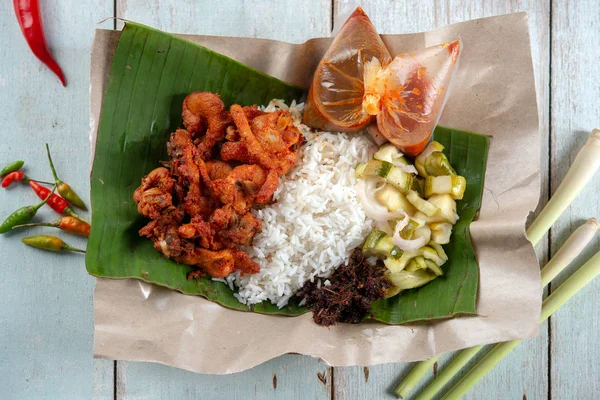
{"x":562,"y":259}
{"x":580,"y":173}
{"x":568,"y":289}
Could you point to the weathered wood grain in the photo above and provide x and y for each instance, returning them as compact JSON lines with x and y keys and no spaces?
{"x":287,"y":377}
{"x":46,"y":316}
{"x":289,"y":21}
{"x":575,"y":112}
{"x":530,"y":359}
{"x":295,"y":375}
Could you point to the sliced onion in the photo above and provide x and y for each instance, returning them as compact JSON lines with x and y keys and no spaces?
{"x":405,"y":168}
{"x":404,"y":244}
{"x":365,"y":192}
{"x":384,"y":227}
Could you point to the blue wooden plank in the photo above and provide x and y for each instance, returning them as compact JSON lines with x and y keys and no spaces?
{"x":286,"y":377}
{"x":575,"y":112}
{"x":46,"y":316}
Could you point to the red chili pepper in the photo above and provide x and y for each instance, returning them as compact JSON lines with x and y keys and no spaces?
{"x":55,"y":202}
{"x":16,"y":176}
{"x":30,"y":20}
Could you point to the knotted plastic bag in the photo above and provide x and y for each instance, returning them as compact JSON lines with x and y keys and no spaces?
{"x":356,"y":83}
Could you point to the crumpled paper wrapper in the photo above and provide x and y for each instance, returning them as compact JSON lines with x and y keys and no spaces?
{"x":493,"y":93}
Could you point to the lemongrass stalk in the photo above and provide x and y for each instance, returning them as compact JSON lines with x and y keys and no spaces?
{"x":584,"y":167}
{"x":560,"y":296}
{"x":569,"y":250}
{"x":563,"y":257}
{"x":414,"y":376}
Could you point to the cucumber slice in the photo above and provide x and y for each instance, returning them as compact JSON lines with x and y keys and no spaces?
{"x":437,"y":164}
{"x":434,"y":267}
{"x":359,"y":170}
{"x":420,"y":160}
{"x":370,"y":245}
{"x":408,"y":231}
{"x":418,"y":185}
{"x":391,"y":197}
{"x":388,"y":152}
{"x":408,"y":280}
{"x":447,"y":209}
{"x":454,"y":185}
{"x":439,"y":250}
{"x":379,"y":244}
{"x":377,"y":168}
{"x":430,"y":254}
{"x":391,"y":292}
{"x":440,"y":232}
{"x":422,"y":205}
{"x":400,"y":179}
{"x":412,"y":266}
{"x":398,"y":264}
{"x":420,"y":261}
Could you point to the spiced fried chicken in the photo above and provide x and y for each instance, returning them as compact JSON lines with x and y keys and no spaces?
{"x":200,"y":207}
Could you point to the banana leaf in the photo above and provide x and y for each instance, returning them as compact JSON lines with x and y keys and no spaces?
{"x":151,"y":74}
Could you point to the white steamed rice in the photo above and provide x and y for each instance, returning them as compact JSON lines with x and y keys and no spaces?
{"x":316,"y":220}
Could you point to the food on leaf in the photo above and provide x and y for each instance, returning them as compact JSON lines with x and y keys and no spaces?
{"x":422,"y":219}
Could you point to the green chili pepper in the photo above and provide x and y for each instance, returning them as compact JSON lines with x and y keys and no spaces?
{"x":12,"y":167}
{"x":64,"y":189}
{"x":23,"y":215}
{"x":51,"y":243}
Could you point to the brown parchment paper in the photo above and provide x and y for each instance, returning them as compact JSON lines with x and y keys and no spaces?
{"x":493,"y":93}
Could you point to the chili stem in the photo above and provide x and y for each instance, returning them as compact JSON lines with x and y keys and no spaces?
{"x":58,"y":181}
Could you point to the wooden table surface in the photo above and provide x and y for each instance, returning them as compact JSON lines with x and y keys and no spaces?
{"x":46,"y":314}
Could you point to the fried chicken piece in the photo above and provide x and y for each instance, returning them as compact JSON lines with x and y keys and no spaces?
{"x":154,"y":194}
{"x":164,"y":232}
{"x":243,"y":262}
{"x":205,"y":106}
{"x":234,"y":229}
{"x":275,"y":132}
{"x":252,"y":112}
{"x":265,"y":151}
{"x":217,"y":169}
{"x":183,"y":165}
{"x":199,"y":229}
{"x":246,"y":185}
{"x":235,"y":151}
{"x":151,"y":202}
{"x":217,"y":264}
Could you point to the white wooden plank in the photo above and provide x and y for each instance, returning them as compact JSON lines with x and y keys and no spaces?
{"x":575,"y":93}
{"x":286,"y":377}
{"x":524,"y":373}
{"x":46,"y":317}
{"x":290,"y":21}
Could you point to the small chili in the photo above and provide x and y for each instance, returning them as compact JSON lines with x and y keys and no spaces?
{"x":63,"y":188}
{"x":56,"y":202}
{"x":66,"y":223}
{"x":16,"y":176}
{"x":51,"y":243}
{"x":23,"y":215}
{"x":12,"y":167}
{"x":30,"y":20}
